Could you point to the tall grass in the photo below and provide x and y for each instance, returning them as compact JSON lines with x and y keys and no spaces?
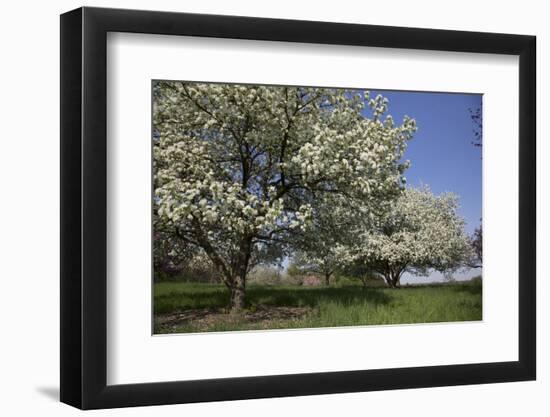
{"x":327,"y":306}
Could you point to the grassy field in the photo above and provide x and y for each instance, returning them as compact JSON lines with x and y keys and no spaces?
{"x":191,"y":307}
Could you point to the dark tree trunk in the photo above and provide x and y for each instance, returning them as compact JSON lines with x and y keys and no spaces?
{"x":238,"y":283}
{"x":388,"y":279}
{"x":395,"y":277}
{"x":392,"y":278}
{"x":237,"y":300}
{"x":327,"y":279}
{"x":397,"y":280}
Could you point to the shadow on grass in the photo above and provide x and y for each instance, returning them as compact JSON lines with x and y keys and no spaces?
{"x":218,"y":297}
{"x":311,"y":297}
{"x":193,"y":298}
{"x":473,"y":289}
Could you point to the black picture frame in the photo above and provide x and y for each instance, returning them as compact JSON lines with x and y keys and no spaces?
{"x":84,"y":207}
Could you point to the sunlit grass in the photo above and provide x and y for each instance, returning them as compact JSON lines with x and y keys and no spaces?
{"x":326,"y":306}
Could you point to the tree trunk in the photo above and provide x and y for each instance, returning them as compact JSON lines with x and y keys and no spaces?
{"x":392,"y":279}
{"x":237,"y":300}
{"x":396,"y":280}
{"x":238,"y":283}
{"x":237,"y":290}
{"x":395,"y":277}
{"x":327,"y":279}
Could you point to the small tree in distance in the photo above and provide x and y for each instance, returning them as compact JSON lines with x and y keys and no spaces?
{"x":419,"y":232}
{"x":477,"y":119}
{"x":322,"y":248}
{"x":477,"y":248}
{"x":477,"y":238}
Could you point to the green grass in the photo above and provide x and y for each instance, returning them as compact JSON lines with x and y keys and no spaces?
{"x":320,"y":306}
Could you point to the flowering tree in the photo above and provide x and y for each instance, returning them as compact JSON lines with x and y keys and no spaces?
{"x":419,"y":232}
{"x":236,"y":167}
{"x":477,"y":248}
{"x":170,"y":253}
{"x":323,"y":247}
{"x":324,"y":259}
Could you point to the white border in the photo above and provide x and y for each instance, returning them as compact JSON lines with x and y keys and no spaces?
{"x":134,"y":356}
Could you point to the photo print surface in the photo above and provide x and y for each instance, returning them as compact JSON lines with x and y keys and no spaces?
{"x":278,"y":207}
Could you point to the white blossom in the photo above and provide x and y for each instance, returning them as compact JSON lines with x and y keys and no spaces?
{"x":237,"y":167}
{"x":420,"y":231}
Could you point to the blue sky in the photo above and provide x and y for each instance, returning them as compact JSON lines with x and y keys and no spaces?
{"x":441,"y":153}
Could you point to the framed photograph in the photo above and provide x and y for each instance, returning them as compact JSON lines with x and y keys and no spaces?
{"x":258,"y":208}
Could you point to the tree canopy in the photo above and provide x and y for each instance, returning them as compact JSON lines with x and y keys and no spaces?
{"x":420,"y":231}
{"x":238,"y":169}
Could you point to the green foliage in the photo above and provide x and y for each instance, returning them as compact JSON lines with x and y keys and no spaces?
{"x":341,"y":305}
{"x":294,"y":270}
{"x":476,"y":281}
